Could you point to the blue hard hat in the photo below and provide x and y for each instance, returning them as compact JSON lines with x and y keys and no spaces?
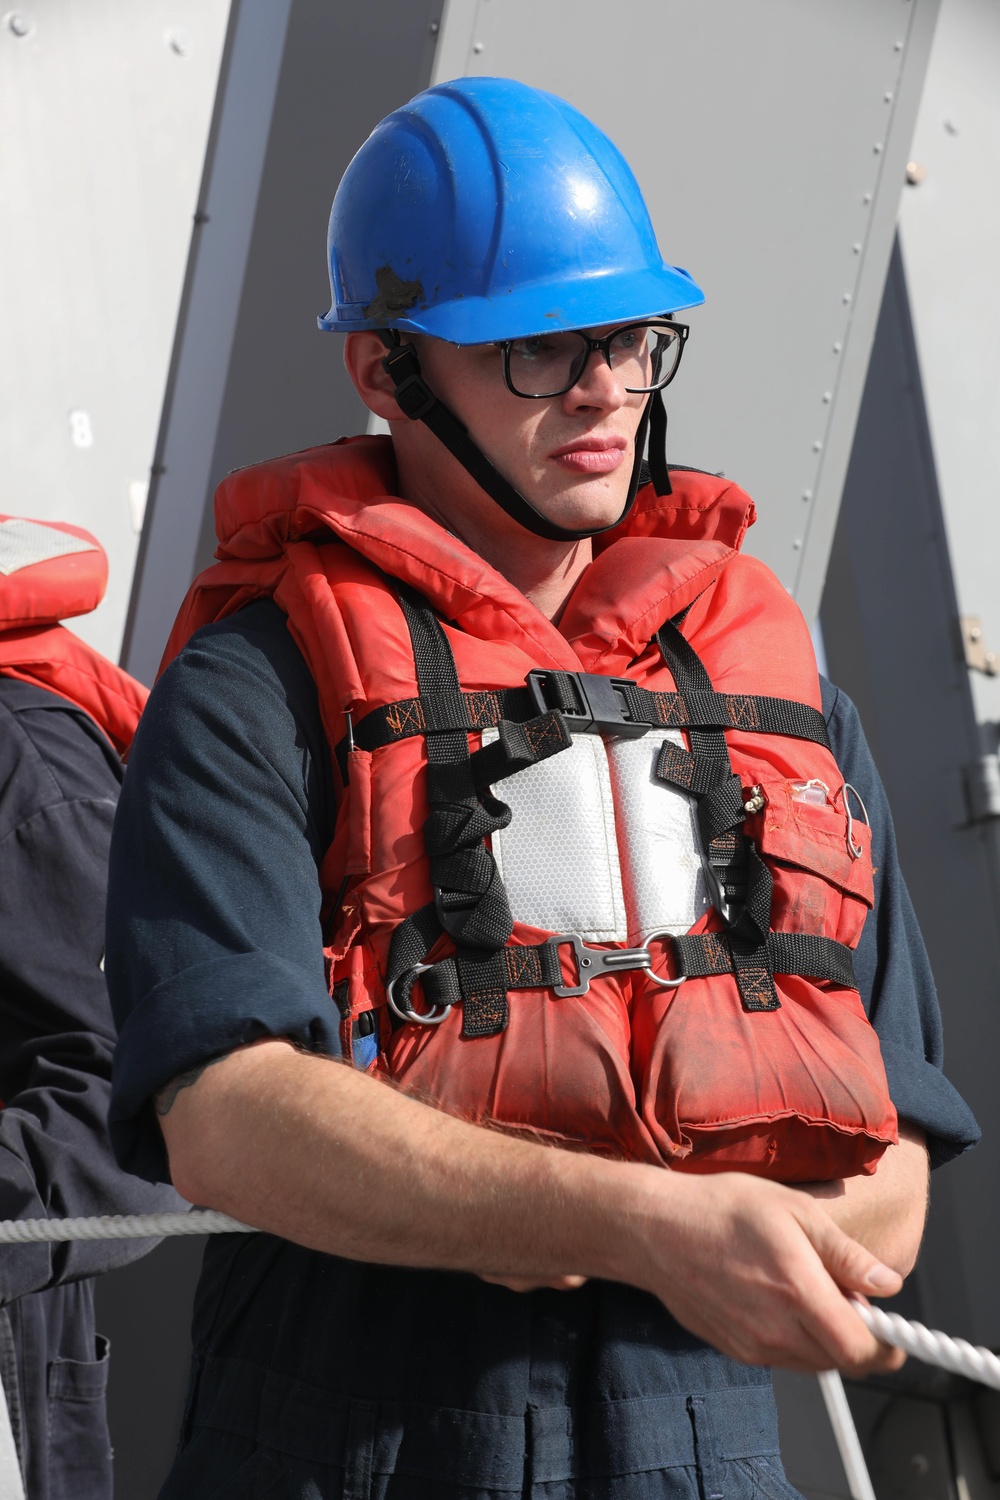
{"x":486,"y":210}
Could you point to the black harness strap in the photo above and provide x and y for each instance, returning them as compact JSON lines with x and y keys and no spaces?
{"x":743,"y":883}
{"x":470,"y":902}
{"x":707,"y":953}
{"x":518,"y":746}
{"x":465,"y":979}
{"x":623,"y":707}
{"x":469,"y":896}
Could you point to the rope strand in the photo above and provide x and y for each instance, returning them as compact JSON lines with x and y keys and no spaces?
{"x":120,"y":1227}
{"x":961,"y":1358}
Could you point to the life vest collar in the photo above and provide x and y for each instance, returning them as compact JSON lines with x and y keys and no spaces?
{"x":52,"y":571}
{"x":670,"y":550}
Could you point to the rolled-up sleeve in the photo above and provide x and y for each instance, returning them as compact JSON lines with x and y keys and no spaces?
{"x":214,"y":937}
{"x":893,"y":971}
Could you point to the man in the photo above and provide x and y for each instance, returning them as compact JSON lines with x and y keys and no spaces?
{"x":66,"y":716}
{"x":582,"y":946}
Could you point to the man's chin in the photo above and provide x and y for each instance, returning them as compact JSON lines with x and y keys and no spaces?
{"x":585,"y":507}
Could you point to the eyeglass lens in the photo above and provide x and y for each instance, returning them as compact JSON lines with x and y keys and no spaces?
{"x":645,"y":355}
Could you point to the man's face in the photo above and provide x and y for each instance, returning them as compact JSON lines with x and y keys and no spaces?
{"x":571,"y":456}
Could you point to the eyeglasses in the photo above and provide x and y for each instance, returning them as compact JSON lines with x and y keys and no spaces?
{"x":646,"y":355}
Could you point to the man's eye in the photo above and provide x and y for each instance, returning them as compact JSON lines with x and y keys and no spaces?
{"x":627,"y":340}
{"x":530,"y":348}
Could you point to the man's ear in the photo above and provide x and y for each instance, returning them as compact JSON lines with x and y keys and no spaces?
{"x":363,"y":356}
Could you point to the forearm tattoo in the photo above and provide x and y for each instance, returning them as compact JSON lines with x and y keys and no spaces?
{"x":163,"y":1102}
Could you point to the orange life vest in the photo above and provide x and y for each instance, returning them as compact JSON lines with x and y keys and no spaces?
{"x":51,"y":571}
{"x":597,"y":883}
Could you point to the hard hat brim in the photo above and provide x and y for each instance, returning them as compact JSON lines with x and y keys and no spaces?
{"x":589,"y":302}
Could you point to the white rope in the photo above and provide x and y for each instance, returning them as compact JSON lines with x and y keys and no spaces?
{"x":846,"y":1434}
{"x":120,"y":1227}
{"x":970,"y":1360}
{"x":933,"y":1348}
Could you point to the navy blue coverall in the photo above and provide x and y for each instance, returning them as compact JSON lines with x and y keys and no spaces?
{"x":59,"y":783}
{"x":316,"y":1377}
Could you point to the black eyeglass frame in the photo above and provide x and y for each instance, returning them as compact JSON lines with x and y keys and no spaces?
{"x":604,"y":345}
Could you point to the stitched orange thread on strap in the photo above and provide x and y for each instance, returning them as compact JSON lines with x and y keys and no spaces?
{"x":743,"y":711}
{"x":406,"y":717}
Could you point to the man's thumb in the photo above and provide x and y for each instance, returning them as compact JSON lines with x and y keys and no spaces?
{"x":854,"y":1268}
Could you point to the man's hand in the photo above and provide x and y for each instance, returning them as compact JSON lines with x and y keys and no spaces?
{"x":533,"y":1284}
{"x":309,"y":1149}
{"x":760,"y":1271}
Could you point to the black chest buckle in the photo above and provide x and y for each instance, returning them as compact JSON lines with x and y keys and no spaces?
{"x":590,"y":703}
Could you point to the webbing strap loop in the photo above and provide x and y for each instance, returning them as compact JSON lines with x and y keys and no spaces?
{"x":469,"y":897}
{"x":741,"y":883}
{"x":518,"y":746}
{"x":721,"y":808}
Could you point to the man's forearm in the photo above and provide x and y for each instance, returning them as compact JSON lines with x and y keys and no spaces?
{"x":308,"y":1149}
{"x":886,"y":1211}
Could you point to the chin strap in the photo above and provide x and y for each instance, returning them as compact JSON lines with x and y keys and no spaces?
{"x":658,"y":471}
{"x":417,"y":401}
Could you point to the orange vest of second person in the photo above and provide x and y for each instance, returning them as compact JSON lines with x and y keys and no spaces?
{"x":51,"y":571}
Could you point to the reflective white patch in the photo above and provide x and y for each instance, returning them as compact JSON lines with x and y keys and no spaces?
{"x":663,"y":872}
{"x":598,"y":846}
{"x":559,"y":856}
{"x":25,"y":542}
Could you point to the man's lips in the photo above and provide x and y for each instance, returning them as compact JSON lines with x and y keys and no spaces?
{"x":591,"y":455}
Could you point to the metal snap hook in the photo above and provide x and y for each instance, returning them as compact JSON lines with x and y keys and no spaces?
{"x":431,"y":1018}
{"x":602,"y":961}
{"x":667,"y":984}
{"x":856,"y":849}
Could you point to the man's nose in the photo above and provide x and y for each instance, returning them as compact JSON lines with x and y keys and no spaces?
{"x":597,"y":385}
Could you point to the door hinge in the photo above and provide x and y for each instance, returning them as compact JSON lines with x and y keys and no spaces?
{"x":977,"y":658}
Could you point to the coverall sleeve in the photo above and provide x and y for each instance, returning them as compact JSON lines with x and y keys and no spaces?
{"x":56,"y":1031}
{"x":214,"y":935}
{"x":891,"y":964}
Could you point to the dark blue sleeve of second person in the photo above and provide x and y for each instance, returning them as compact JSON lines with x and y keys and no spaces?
{"x":893,"y":972}
{"x":214,"y":936}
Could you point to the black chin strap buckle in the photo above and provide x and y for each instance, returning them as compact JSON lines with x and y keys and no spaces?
{"x":413,"y":397}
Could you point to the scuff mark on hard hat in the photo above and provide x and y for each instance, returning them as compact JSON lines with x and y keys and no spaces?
{"x":394,"y":296}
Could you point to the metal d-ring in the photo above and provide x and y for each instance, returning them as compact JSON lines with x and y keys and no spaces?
{"x":667,"y":984}
{"x":432,"y":1017}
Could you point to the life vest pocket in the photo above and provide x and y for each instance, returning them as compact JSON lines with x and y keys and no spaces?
{"x":820,"y":862}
